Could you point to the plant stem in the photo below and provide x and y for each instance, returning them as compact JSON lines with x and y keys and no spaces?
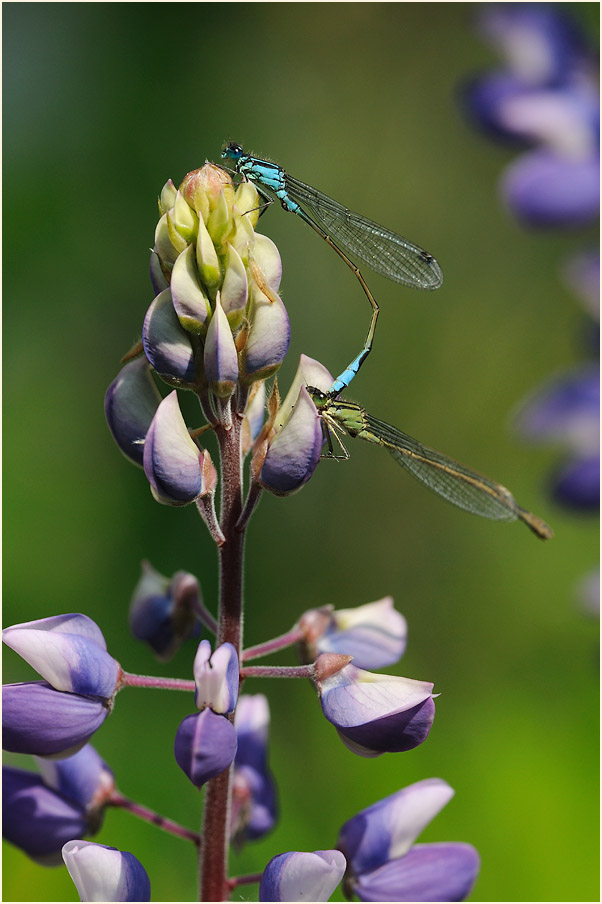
{"x":296,"y":635}
{"x":213,"y":856}
{"x":167,"y":684}
{"x":168,"y":825}
{"x":277,"y":671}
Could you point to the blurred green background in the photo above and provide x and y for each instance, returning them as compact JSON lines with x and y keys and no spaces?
{"x":102,"y":104}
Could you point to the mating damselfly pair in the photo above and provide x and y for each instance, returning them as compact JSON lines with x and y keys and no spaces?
{"x":404,"y":262}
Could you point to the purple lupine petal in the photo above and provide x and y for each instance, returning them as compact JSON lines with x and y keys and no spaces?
{"x":38,"y":719}
{"x":252,"y":721}
{"x":295,"y":451}
{"x":301,"y":876}
{"x":387,"y":829}
{"x":254,"y":804}
{"x":577,"y":484}
{"x":167,"y":344}
{"x":130,"y":404}
{"x":429,"y":872}
{"x":220,"y":356}
{"x":204,"y":746}
{"x":374,"y":634}
{"x":163,"y":612}
{"x":84,"y":777}
{"x":546,"y":189}
{"x":565,"y":410}
{"x":157,"y":277}
{"x":269,"y":336}
{"x":68,"y":658}
{"x":172,"y":461}
{"x":189,"y":300}
{"x":253,"y":784}
{"x":216,"y":677}
{"x":37,"y":819}
{"x":377,"y":714}
{"x":102,"y":873}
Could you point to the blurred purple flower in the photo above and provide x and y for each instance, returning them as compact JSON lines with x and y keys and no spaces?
{"x":254,"y":790}
{"x":546,"y":97}
{"x":41,"y":812}
{"x":163,"y":611}
{"x":102,"y":873}
{"x":565,"y":411}
{"x":385,"y":865}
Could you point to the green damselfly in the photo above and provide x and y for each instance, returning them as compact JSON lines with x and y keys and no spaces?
{"x":382,"y":250}
{"x":455,"y":482}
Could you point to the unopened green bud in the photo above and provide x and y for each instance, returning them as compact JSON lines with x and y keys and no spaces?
{"x":185,"y":219}
{"x":235,"y":288}
{"x":247,"y":202}
{"x":220,"y":222}
{"x":189,"y":300}
{"x":207,"y":260}
{"x":167,"y":198}
{"x":202,"y":189}
{"x":164,"y":247}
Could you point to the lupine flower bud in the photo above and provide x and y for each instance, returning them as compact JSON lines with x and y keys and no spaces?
{"x":385,"y":865}
{"x":269,"y":336}
{"x":58,"y":717}
{"x":167,"y":344}
{"x":202,"y":189}
{"x":205,"y":745}
{"x":300,"y":876}
{"x":254,"y":791}
{"x":163,"y":611}
{"x":216,"y":677}
{"x":38,"y":719}
{"x":42,"y":812}
{"x":220,"y":357}
{"x":189,"y":299}
{"x":173,"y":463}
{"x":130,"y":405}
{"x":376,"y":714}
{"x":294,"y":453}
{"x":235,"y":287}
{"x":102,"y":873}
{"x":374,"y":634}
{"x":69,"y":651}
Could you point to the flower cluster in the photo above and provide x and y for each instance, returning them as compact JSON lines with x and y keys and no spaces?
{"x":546,"y":97}
{"x":218,"y":329}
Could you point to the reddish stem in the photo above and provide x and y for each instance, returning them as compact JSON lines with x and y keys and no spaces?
{"x":295,"y":635}
{"x":168,"y":825}
{"x":213,"y":856}
{"x":168,"y":684}
{"x":277,"y":671}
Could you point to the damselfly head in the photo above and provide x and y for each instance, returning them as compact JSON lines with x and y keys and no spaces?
{"x":318,"y":397}
{"x":232,"y":151}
